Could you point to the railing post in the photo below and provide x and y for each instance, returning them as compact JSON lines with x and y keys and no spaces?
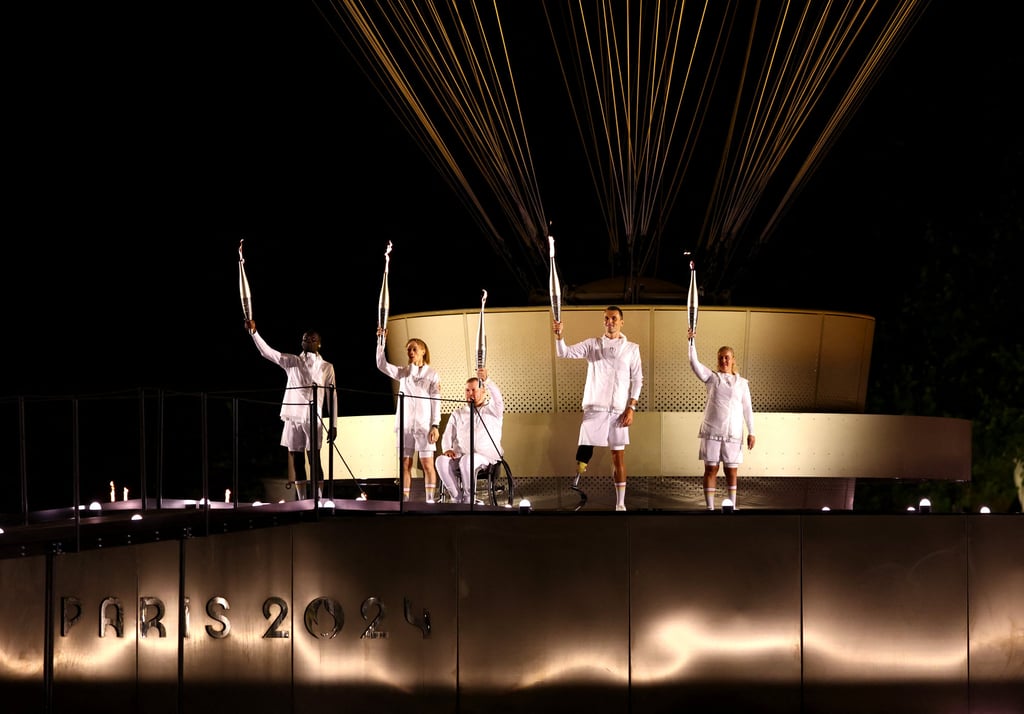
{"x":472,"y":455}
{"x":314,"y":450}
{"x":142,"y":446}
{"x":23,"y":460}
{"x":76,"y":474}
{"x":401,"y":453}
{"x":159,"y":449}
{"x":332,"y":399}
{"x":234,"y":450}
{"x":206,"y":460}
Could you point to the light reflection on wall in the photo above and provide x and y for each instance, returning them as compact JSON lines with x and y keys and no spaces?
{"x":687,"y":642}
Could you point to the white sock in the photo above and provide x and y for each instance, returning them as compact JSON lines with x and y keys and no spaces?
{"x":709,"y":496}
{"x":732,"y":496}
{"x":620,"y":494}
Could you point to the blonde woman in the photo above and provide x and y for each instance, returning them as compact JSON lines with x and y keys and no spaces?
{"x":721,"y":432}
{"x":418,"y":414}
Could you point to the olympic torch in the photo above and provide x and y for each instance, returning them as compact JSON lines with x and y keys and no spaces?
{"x":243,"y":284}
{"x":384,"y":303}
{"x":481,"y":337}
{"x":554,"y":288}
{"x":691,"y":302}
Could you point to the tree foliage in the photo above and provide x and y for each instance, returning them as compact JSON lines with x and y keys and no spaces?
{"x":954,"y":349}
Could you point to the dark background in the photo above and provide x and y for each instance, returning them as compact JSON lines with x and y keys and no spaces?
{"x":144,"y":145}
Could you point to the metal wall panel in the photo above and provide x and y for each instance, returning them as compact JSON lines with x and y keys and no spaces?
{"x":842,"y":381}
{"x":595,"y":612}
{"x":233,"y":659}
{"x":672,"y":385}
{"x":996,"y":584}
{"x":543,"y":614}
{"x":885,"y":614}
{"x":367,"y":445}
{"x":158,"y":626}
{"x":514,"y":338}
{"x":372,"y":653}
{"x":665,"y":444}
{"x":715,"y":614}
{"x":96,"y":599}
{"x":23,"y":634}
{"x":789,"y":355}
{"x":782,"y":360}
{"x":812,"y":445}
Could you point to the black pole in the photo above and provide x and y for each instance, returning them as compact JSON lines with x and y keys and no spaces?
{"x":472,"y":455}
{"x":234,"y":450}
{"x":331,"y":419}
{"x":401,"y":452}
{"x":314,"y":446}
{"x":142,"y":446}
{"x":159,"y":449}
{"x":23,"y":460}
{"x":206,"y":462}
{"x":75,"y":474}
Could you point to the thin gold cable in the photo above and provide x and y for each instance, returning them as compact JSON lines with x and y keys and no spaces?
{"x":643,"y":78}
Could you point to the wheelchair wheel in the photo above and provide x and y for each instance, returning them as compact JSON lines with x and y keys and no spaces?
{"x":501,"y":485}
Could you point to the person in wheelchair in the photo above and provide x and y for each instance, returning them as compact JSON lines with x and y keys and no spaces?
{"x":458,"y":465}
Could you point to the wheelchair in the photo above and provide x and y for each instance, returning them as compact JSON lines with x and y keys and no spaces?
{"x":496,"y":482}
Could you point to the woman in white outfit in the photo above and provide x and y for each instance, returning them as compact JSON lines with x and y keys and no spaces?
{"x":418,"y":415}
{"x":721,"y":432}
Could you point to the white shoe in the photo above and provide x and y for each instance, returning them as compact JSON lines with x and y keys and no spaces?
{"x":620,"y":507}
{"x":430,"y":500}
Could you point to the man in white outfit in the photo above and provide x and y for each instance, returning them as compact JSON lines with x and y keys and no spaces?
{"x":612,"y":391}
{"x":460,"y":463}
{"x":303,"y":371}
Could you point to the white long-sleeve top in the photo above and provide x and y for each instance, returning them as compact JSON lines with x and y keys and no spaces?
{"x":486,"y":427}
{"x":614,"y":372}
{"x":303,"y":371}
{"x":422,"y":384}
{"x":729,"y":405}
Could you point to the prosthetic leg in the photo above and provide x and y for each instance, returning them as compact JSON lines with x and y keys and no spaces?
{"x":583,"y":455}
{"x":297,"y":473}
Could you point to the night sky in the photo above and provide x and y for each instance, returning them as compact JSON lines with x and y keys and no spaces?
{"x":144,"y":148}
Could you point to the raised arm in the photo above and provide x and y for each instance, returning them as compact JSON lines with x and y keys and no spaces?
{"x":266,"y":350}
{"x":702,"y":372}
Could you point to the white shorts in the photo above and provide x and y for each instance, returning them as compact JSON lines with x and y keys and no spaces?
{"x":295,"y":435}
{"x":713,"y":451}
{"x":601,"y":428}
{"x":417,"y":441}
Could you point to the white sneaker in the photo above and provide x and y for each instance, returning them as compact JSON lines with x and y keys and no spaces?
{"x":620,"y":507}
{"x":430,"y":500}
